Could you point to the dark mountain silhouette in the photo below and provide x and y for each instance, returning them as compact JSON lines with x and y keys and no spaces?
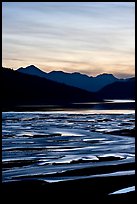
{"x":76,"y":79}
{"x":33,"y":70}
{"x":119,"y":90}
{"x":83,"y":81}
{"x":21,"y":89}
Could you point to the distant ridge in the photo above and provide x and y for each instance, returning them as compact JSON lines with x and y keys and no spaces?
{"x":106,"y":85}
{"x":75,"y":79}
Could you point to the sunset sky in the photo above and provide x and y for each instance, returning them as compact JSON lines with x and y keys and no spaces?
{"x":86,"y":37}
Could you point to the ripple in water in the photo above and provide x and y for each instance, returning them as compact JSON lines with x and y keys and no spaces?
{"x":55,"y":147}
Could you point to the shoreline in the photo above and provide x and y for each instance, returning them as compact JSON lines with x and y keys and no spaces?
{"x":75,"y":106}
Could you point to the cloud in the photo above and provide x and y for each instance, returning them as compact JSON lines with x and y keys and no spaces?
{"x":74,"y":36}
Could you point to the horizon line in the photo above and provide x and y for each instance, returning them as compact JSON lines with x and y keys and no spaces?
{"x":15,"y":69}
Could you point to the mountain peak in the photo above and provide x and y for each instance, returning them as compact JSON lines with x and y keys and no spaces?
{"x":57,"y":72}
{"x":79,"y":74}
{"x":31,"y":67}
{"x":105,"y":75}
{"x":32,"y":70}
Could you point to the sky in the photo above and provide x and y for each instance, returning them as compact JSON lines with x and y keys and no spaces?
{"x":86,"y":37}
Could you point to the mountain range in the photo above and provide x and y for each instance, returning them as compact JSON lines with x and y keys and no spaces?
{"x":82,"y":81}
{"x":106,"y":86}
{"x":32,"y":86}
{"x":24,"y":89}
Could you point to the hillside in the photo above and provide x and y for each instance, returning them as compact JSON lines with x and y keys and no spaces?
{"x":23,"y":89}
{"x":119,"y":90}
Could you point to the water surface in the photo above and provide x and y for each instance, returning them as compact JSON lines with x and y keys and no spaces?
{"x":56,"y":146}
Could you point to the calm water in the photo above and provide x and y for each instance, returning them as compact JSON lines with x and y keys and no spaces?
{"x":57,"y":145}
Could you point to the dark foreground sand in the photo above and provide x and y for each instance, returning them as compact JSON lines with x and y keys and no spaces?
{"x":94,"y":190}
